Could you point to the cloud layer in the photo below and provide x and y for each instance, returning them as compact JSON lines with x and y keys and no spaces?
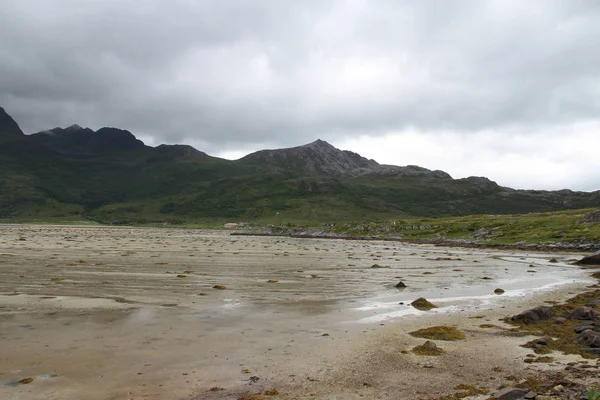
{"x":511,"y":83}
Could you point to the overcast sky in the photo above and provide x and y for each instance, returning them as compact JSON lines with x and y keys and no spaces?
{"x":504,"y":89}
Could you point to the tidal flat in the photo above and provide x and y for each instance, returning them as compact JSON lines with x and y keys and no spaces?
{"x":161,"y":313}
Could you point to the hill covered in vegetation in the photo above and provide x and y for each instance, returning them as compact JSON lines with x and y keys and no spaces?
{"x":110,"y":176}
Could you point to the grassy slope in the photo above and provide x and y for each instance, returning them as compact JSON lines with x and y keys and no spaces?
{"x":556,"y":227}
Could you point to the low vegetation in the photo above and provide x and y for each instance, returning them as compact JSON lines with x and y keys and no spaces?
{"x":448,"y":333}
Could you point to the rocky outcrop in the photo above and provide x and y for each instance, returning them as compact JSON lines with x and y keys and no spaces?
{"x":592,"y":217}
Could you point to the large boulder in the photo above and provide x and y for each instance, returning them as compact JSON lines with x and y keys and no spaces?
{"x":541,"y":313}
{"x":593,"y":259}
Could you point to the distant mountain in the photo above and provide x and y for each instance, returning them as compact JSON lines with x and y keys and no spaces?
{"x":110,"y":176}
{"x":318,"y":157}
{"x":76,"y":139}
{"x":8,"y":126}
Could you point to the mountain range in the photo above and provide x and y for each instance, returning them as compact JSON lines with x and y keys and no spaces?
{"x":110,"y":176}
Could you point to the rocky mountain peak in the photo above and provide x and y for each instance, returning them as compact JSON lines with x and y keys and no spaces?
{"x":318,"y":157}
{"x":8,"y":126}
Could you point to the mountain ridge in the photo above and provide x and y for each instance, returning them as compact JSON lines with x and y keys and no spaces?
{"x":110,"y":176}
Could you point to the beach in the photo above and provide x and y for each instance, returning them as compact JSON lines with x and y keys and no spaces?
{"x":166,"y":313}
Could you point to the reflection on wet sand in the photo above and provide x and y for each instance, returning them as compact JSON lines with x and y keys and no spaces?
{"x":118,"y":313}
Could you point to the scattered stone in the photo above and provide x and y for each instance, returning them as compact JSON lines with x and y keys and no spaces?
{"x":560,"y":320}
{"x":499,"y":291}
{"x":487,"y":278}
{"x":272,"y":281}
{"x":26,"y":381}
{"x":422,"y":304}
{"x":271,"y":392}
{"x":182,"y":276}
{"x":511,"y":393}
{"x":400,"y":285}
{"x":448,"y":333}
{"x":220,"y":287}
{"x":379,"y":266}
{"x":541,"y":313}
{"x":553,"y":260}
{"x":216,"y":389}
{"x":530,"y":395}
{"x":428,"y":349}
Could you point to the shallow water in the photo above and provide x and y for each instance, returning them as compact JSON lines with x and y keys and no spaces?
{"x":116,"y":313}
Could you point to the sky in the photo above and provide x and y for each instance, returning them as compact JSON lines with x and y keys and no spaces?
{"x":506,"y":89}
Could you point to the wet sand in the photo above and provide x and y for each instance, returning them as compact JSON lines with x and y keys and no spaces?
{"x":131,"y":313}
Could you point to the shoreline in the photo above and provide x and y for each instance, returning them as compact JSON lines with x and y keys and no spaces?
{"x":555,"y":247}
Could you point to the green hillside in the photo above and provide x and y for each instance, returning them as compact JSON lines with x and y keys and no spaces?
{"x":109,"y":176}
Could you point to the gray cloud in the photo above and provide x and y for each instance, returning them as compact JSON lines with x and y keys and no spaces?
{"x":235,"y":74}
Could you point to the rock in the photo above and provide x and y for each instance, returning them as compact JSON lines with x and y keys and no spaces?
{"x":589,"y":338}
{"x":26,"y":381}
{"x":560,"y":320}
{"x":595,"y":351}
{"x":594,"y":259}
{"x":376,"y":266}
{"x":539,"y":341}
{"x":553,"y":260}
{"x":499,"y":291}
{"x":511,"y":394}
{"x":594,"y":303}
{"x":541,"y":313}
{"x":583,"y":326}
{"x":422,"y":304}
{"x":558,"y":388}
{"x":592,"y":217}
{"x":220,"y":287}
{"x":428,"y":349}
{"x":530,"y":395}
{"x":581,"y":313}
{"x":400,"y":285}
{"x":546,"y":398}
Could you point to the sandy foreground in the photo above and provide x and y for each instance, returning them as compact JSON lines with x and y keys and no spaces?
{"x":132,"y":313}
